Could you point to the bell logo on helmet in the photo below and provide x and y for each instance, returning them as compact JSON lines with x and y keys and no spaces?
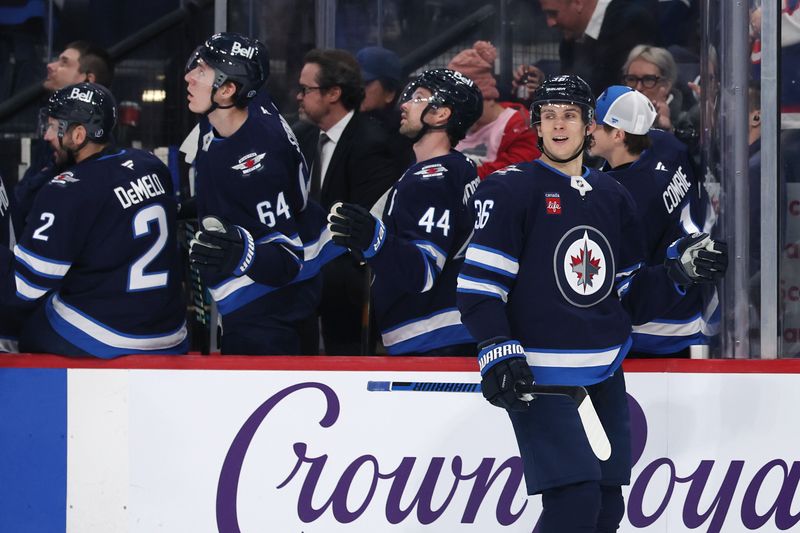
{"x":463,"y":79}
{"x":85,"y":96}
{"x":238,"y":50}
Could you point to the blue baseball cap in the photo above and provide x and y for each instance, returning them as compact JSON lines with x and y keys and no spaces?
{"x":377,"y":63}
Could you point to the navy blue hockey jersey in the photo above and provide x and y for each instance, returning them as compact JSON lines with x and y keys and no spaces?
{"x":100,"y":249}
{"x":428,"y":224}
{"x":9,"y":325}
{"x":553,"y":262}
{"x":662,"y":184}
{"x":257,"y":179}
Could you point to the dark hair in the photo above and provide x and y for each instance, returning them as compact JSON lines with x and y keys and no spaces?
{"x":636,"y":144}
{"x":94,"y":60}
{"x":338,"y":68}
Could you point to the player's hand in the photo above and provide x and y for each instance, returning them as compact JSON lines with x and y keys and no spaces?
{"x":353,"y":227}
{"x":696,"y":258}
{"x":222,"y":248}
{"x":503,"y":368}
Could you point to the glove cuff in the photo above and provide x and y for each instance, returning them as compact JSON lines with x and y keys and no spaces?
{"x":249,"y":252}
{"x":491,"y":355}
{"x":378,"y":238}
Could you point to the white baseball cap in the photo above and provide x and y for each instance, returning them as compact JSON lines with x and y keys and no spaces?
{"x":627,"y":109}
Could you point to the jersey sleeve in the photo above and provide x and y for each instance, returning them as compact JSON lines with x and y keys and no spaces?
{"x":646,"y":292}
{"x":421,"y":232}
{"x":53,"y":238}
{"x":491,"y":264}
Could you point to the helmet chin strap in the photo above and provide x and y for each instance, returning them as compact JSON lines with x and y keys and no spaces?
{"x":425,"y":127}
{"x":215,"y":105}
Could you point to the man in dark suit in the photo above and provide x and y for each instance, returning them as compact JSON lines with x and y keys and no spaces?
{"x":351,"y":161}
{"x":599,"y":34}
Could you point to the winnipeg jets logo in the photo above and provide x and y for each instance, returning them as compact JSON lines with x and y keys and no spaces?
{"x":249,"y":163}
{"x":64,"y":179}
{"x":506,"y":170}
{"x":584,"y":266}
{"x":431,"y":171}
{"x":128,"y":164}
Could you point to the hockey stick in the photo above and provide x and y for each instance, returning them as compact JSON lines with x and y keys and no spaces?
{"x":595,"y":434}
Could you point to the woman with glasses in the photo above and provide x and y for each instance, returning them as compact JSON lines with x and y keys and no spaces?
{"x":652,"y":71}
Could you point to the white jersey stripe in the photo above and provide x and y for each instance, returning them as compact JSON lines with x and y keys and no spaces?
{"x":419,"y":327}
{"x":482,"y":286}
{"x":671,"y":329}
{"x":28,"y":290}
{"x":113,"y":338}
{"x":40,"y":265}
{"x":481,"y":256}
{"x":566,"y":359}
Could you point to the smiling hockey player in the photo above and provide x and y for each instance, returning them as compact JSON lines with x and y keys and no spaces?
{"x":550,"y":280}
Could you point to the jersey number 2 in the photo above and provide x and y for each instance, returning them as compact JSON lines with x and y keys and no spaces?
{"x":138,"y":280}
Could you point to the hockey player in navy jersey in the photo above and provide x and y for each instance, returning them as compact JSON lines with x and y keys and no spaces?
{"x":417,"y":249}
{"x":551,"y":279}
{"x":261,"y":242}
{"x":654,"y":166}
{"x":98,"y":256}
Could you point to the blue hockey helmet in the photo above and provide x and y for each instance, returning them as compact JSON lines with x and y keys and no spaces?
{"x":235,"y":58}
{"x":88,"y":104}
{"x":564,"y":89}
{"x":451,"y":89}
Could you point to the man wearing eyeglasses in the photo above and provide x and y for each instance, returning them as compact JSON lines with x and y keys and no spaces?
{"x":351,"y":160}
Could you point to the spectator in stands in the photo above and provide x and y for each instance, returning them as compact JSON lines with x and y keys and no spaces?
{"x":652,"y":71}
{"x":502,"y":135}
{"x":598,"y":35}
{"x":383,"y":81}
{"x":81,"y":61}
{"x":351,"y":161}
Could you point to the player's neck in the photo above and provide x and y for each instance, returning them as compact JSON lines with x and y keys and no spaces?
{"x":433,"y":144}
{"x":621,"y":157}
{"x":226,"y":122}
{"x":88,"y":151}
{"x":570,"y":168}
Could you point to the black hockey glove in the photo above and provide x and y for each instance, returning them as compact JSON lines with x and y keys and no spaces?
{"x":696,"y":258}
{"x":355,"y":228}
{"x":222,"y":248}
{"x":504,"y":367}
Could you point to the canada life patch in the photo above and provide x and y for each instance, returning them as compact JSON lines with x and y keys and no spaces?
{"x":584,"y":266}
{"x":434,"y":170}
{"x":552,"y":202}
{"x":249,"y":163}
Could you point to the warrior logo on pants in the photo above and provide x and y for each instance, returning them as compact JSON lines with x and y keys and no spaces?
{"x":584,"y":266}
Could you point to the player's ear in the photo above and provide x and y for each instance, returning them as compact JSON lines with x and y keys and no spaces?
{"x":442,"y":115}
{"x":91,"y":78}
{"x":227,"y":90}
{"x":591,"y":127}
{"x":78,"y":134}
